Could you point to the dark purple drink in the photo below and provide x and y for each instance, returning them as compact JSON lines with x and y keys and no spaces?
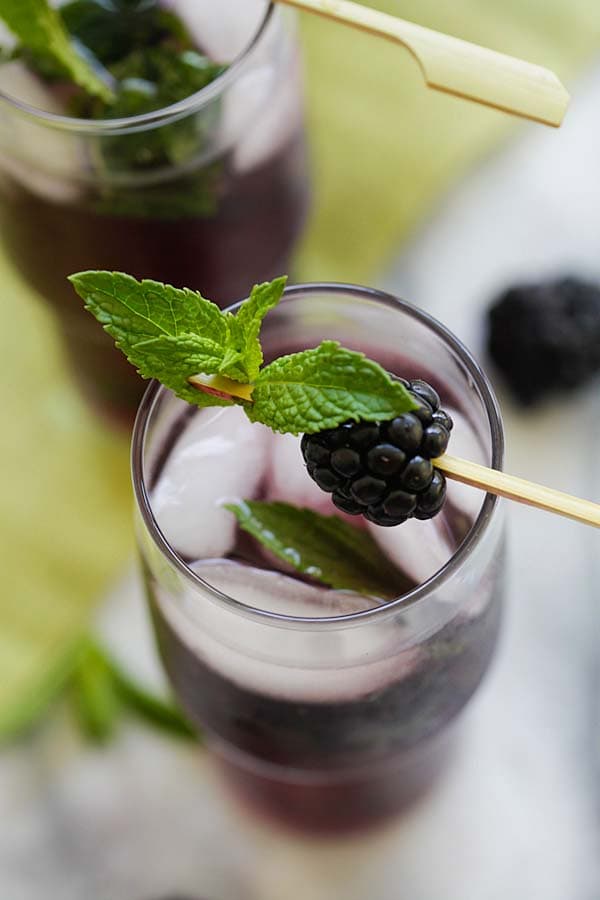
{"x":226,"y":215}
{"x":248,"y":240}
{"x":327,"y":711}
{"x":335,"y":765}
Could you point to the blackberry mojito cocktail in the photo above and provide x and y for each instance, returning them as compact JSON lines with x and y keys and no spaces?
{"x":194,"y":172}
{"x":327,"y":708}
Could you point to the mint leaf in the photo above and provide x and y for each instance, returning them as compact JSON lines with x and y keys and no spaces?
{"x":172,"y":359}
{"x":323,"y":547}
{"x":41,"y":30}
{"x":134,"y":311}
{"x":320,"y":388}
{"x":165,"y":332}
{"x":245,"y":353}
{"x":111,"y":30}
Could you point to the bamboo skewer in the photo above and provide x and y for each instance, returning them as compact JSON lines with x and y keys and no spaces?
{"x":514,"y":488}
{"x":456,"y":66}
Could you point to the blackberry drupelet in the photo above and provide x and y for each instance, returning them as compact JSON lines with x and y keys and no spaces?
{"x":546,"y":337}
{"x":383,"y":470}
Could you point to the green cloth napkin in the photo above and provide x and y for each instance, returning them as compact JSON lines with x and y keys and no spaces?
{"x":384,"y":149}
{"x":64,"y":509}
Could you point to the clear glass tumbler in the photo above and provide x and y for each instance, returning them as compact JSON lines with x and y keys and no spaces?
{"x":224,"y":213}
{"x":327,"y":715}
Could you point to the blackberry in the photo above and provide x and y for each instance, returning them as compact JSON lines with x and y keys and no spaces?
{"x":546,"y":337}
{"x":383,"y":470}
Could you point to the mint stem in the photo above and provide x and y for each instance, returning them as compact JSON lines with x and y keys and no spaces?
{"x":223,"y":388}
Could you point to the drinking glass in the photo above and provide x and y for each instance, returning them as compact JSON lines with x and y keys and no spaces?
{"x":225,"y":215}
{"x":327,"y":716}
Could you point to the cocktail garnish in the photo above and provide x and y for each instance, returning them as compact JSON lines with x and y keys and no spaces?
{"x":176,"y":335}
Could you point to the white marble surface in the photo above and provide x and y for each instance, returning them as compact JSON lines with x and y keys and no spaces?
{"x":518,"y":814}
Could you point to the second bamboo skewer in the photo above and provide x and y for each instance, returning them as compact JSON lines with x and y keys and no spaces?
{"x":456,"y":66}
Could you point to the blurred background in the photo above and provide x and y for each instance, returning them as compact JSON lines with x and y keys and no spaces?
{"x":445,"y":204}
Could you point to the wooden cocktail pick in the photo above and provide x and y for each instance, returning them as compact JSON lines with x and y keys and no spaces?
{"x":458,"y":67}
{"x":514,"y":488}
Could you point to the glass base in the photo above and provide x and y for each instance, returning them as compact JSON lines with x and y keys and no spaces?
{"x":335,"y":804}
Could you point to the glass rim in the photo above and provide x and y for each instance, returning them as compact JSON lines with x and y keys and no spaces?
{"x":165,"y":114}
{"x":419,"y":593}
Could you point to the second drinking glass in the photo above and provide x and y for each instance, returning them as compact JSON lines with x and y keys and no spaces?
{"x":210,"y":191}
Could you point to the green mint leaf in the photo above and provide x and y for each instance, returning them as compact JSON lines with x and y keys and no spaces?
{"x":320,"y":388}
{"x":111,"y":30}
{"x":172,"y":359}
{"x":165,"y":332}
{"x":323,"y":547}
{"x":41,"y":30}
{"x":245,"y":353}
{"x":135,"y":311}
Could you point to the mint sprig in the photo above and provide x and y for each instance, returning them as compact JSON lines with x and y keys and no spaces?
{"x":39,"y":28}
{"x":174,"y":335}
{"x":322,"y":547}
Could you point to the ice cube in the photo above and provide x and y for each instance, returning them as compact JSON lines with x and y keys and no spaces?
{"x":222,"y":29}
{"x":243,"y":105}
{"x":278,"y":593}
{"x":42,"y":158}
{"x":288,"y":480}
{"x":220,"y":456}
{"x":278,"y":104}
{"x":296,"y":664}
{"x":261,"y":109}
{"x":418,"y":548}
